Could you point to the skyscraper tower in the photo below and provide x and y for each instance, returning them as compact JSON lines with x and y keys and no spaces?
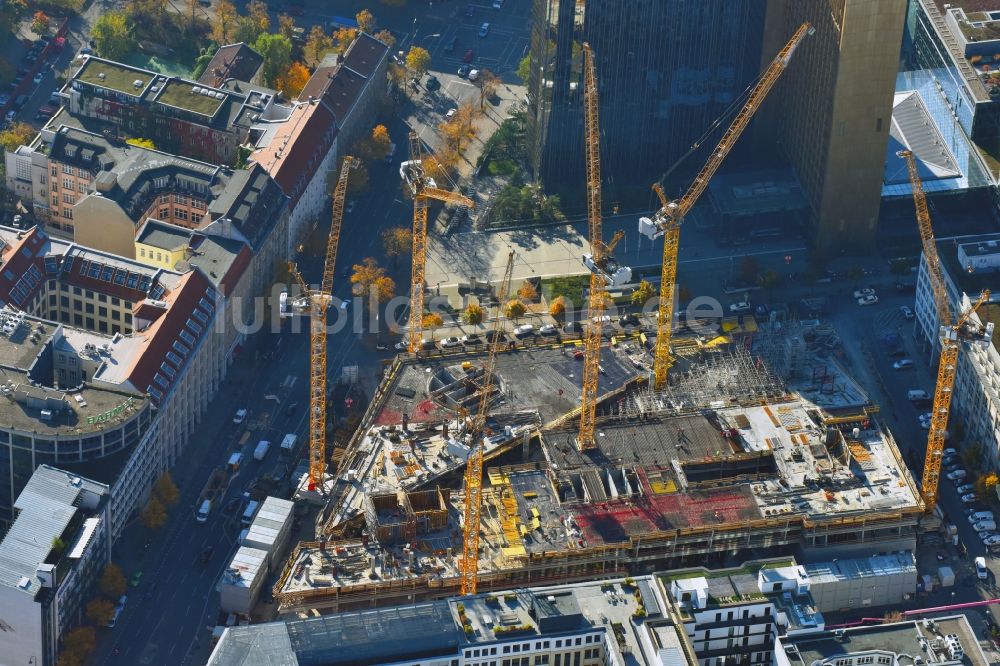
{"x":830,"y":116}
{"x":667,"y":70}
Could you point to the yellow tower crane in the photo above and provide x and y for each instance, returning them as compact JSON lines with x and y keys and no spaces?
{"x":952,"y":337}
{"x":317,"y":302}
{"x":424,"y":190}
{"x":603,"y":268}
{"x":667,"y":220}
{"x":469,"y":564}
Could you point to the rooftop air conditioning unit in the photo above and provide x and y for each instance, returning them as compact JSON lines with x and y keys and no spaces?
{"x":196,"y":90}
{"x":137,"y":83}
{"x":102,"y":76}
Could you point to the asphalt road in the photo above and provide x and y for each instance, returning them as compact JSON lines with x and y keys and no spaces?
{"x":169,"y":616}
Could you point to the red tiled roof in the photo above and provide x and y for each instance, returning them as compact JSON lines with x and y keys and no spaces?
{"x":16,"y":262}
{"x":298,"y":148}
{"x":160,"y":336}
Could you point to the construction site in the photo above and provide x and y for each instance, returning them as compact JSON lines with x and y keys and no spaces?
{"x":762,"y":443}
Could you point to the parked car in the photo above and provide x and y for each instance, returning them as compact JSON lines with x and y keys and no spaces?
{"x":464,"y":70}
{"x":432,"y":83}
{"x":451,"y":114}
{"x":950,"y":452}
{"x":471,"y":339}
{"x":907,"y":311}
{"x":484,"y":29}
{"x":741,"y":307}
{"x":402,"y":345}
{"x":490,"y":335}
{"x":968,"y":498}
{"x":240,"y":416}
{"x":524,"y":330}
{"x":992,"y":540}
{"x":548,"y":329}
{"x":964,"y":488}
{"x":573,"y":327}
{"x":38,"y":78}
{"x":4,"y":98}
{"x":627,"y":320}
{"x":427,"y":345}
{"x":450,"y":342}
{"x":957,"y":475}
{"x":902,"y":364}
{"x":473,"y":74}
{"x":868,"y":300}
{"x":864,"y":291}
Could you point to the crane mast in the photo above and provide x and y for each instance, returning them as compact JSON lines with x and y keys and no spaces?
{"x":667,"y":220}
{"x":951,"y":337}
{"x":317,"y":302}
{"x":469,"y":564}
{"x":424,"y":190}
{"x":599,"y":251}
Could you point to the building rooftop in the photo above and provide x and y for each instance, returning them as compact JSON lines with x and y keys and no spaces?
{"x":862,"y":567}
{"x":232,"y":61}
{"x":163,"y":235}
{"x":191,"y":97}
{"x":435,"y":629}
{"x":927,"y":638}
{"x":50,"y":502}
{"x":115,"y":75}
{"x":914,"y":129}
{"x":247,"y":565}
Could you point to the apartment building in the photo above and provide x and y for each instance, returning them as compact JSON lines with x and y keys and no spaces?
{"x":105,"y":355}
{"x":181,"y":117}
{"x":969,"y":264}
{"x":334,"y":110}
{"x":735,"y":615}
{"x":56,"y":548}
{"x":584,"y":624}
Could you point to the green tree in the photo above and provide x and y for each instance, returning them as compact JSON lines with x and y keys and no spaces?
{"x":433,"y":321}
{"x":154,"y":516}
{"x":366,"y":21}
{"x":40,"y":23}
{"x":397,"y":241}
{"x":473,"y":314}
{"x":99,"y":611}
{"x":277,"y":52}
{"x":17,"y":134}
{"x":286,"y":26}
{"x":318,"y":44}
{"x":643,"y":293}
{"x":224,"y":22}
{"x":417,"y":61}
{"x":386,"y":38}
{"x":369,"y":279}
{"x":112,"y":583}
{"x":142,"y":143}
{"x":257,"y":10}
{"x":514,"y":309}
{"x":81,"y":642}
{"x":113,"y":35}
{"x":165,"y":490}
{"x":557,"y":308}
{"x":58,"y":545}
{"x":524,"y":69}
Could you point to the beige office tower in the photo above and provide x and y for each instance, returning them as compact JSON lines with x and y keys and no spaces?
{"x":831,"y":112}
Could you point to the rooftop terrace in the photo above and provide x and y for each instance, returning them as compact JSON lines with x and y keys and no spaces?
{"x":191,"y":97}
{"x":115,"y":75}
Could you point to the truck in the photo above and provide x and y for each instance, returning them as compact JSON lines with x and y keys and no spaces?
{"x":234,"y":461}
{"x":288,"y":444}
{"x":263,"y":446}
{"x":214,"y":487}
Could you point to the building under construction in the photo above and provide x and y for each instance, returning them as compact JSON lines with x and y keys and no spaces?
{"x":730,"y":457}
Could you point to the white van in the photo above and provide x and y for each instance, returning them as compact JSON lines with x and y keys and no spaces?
{"x":917,"y":394}
{"x":203,"y":511}
{"x":288,"y":443}
{"x":982,"y":573}
{"x":250,"y":512}
{"x":524,"y":331}
{"x":984,"y":526}
{"x":980,"y":515}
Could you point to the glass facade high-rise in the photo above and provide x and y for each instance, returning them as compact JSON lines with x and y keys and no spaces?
{"x":667,"y":69}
